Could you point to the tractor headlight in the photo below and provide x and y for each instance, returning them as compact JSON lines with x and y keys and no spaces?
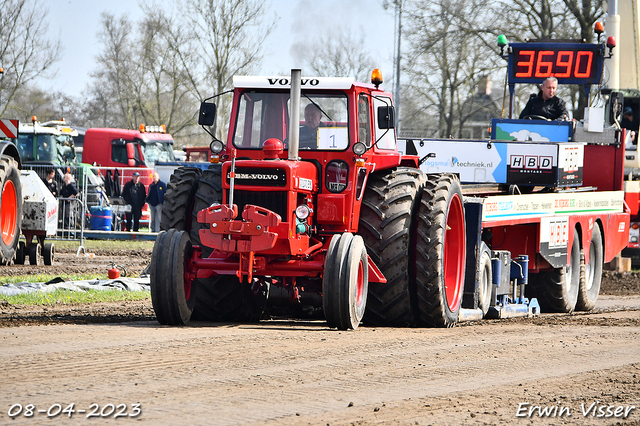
{"x":216,"y":147}
{"x":303,"y":211}
{"x":359,"y":148}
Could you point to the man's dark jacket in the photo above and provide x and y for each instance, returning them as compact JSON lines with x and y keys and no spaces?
{"x":551,"y":108}
{"x":134,"y":194}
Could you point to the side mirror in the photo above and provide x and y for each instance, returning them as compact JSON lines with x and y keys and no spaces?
{"x":207,"y":114}
{"x":616,"y":103}
{"x":386,"y":117}
{"x":131,"y":156}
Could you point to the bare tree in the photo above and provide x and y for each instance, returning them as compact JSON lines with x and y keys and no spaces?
{"x":451,"y":49}
{"x":339,"y":54}
{"x":25,"y":49}
{"x":230,"y":36}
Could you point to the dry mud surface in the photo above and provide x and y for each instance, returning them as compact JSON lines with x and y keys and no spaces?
{"x":545,"y":370}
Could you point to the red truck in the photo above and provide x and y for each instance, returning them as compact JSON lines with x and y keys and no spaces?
{"x":122,"y":148}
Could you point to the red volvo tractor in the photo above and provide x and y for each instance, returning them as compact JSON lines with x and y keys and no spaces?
{"x":313,"y":205}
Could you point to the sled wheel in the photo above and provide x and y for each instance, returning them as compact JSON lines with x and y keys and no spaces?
{"x":386,"y":226}
{"x":172,"y":291}
{"x":21,"y":253}
{"x":484,"y":277}
{"x":48,"y":251}
{"x":34,"y":253}
{"x":440,"y":251}
{"x":557,"y":290}
{"x":10,"y":209}
{"x":591,"y":273}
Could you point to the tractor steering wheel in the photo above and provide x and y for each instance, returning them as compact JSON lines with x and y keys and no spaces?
{"x":535,"y":117}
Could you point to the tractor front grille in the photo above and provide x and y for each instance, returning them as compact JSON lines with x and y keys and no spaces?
{"x":276,"y":201}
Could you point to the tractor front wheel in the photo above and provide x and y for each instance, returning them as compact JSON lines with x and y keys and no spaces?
{"x":345,"y":281}
{"x":173,"y":292}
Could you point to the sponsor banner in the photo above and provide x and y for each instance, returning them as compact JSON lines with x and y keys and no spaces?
{"x":523,"y":163}
{"x":505,"y":207}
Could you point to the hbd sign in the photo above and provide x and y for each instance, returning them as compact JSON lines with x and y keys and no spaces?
{"x":531,"y":162}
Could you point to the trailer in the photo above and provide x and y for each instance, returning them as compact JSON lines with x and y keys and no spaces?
{"x":334,"y":215}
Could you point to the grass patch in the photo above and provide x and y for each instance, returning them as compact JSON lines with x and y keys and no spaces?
{"x":43,"y":278}
{"x":67,"y":297}
{"x":104,"y":245}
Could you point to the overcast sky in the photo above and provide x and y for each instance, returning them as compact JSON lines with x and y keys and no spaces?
{"x":76,"y":22}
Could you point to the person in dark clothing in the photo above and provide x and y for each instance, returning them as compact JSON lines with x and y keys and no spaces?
{"x":134,"y":194}
{"x":68,"y":190}
{"x":155,"y":198}
{"x":546,"y":104}
{"x":309,"y":132}
{"x":629,"y":124}
{"x":51,"y":183}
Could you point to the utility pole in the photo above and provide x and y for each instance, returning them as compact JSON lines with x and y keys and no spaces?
{"x":396,"y":57}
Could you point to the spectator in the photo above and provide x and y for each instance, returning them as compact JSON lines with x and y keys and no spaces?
{"x":155,"y":198}
{"x":51,"y":183}
{"x":134,"y":194}
{"x":68,"y":190}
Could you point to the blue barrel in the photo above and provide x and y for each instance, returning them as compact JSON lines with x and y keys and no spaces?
{"x":101,"y":218}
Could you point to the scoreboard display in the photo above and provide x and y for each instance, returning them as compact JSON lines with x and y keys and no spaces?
{"x":570,"y":63}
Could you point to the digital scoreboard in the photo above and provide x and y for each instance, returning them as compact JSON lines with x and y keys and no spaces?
{"x":570,"y":63}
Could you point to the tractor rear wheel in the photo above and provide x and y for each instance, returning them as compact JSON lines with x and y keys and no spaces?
{"x":591,"y":273}
{"x":557,"y":290}
{"x":209,"y":191}
{"x":178,"y":200}
{"x":440,"y":251}
{"x":173,"y":293}
{"x":345,"y":282}
{"x":386,"y":226}
{"x":10,"y":209}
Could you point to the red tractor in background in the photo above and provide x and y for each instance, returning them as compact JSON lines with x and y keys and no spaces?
{"x":341,"y":222}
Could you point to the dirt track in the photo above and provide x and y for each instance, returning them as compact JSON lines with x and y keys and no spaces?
{"x":292,"y":372}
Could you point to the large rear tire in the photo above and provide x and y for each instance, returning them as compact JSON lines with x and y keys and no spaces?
{"x":173,"y":293}
{"x":440,"y":251}
{"x":557,"y":290}
{"x":591,"y":273}
{"x":386,"y":226}
{"x":209,"y":191}
{"x":179,"y":198}
{"x":10,"y":209}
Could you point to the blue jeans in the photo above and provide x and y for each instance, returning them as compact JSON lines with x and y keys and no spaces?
{"x":156,"y":217}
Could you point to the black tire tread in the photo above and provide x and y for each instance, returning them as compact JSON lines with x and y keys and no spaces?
{"x":386,"y":226}
{"x":430,"y":233}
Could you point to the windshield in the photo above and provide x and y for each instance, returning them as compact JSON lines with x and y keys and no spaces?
{"x":46,"y":147}
{"x":324,"y":120}
{"x":156,"y":151}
